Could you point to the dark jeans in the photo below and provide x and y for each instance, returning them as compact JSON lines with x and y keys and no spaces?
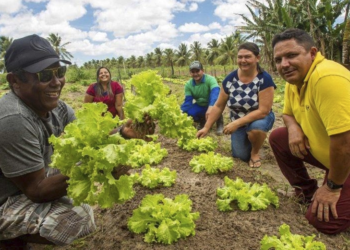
{"x":294,"y":170}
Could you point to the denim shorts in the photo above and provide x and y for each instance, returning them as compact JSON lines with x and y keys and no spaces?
{"x":240,"y":144}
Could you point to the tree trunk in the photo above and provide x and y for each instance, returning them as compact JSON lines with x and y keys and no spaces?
{"x":345,"y":56}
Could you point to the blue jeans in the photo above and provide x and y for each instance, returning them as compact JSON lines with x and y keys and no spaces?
{"x":240,"y":144}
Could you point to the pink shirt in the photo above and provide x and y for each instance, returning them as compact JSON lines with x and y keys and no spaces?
{"x":109,"y":100}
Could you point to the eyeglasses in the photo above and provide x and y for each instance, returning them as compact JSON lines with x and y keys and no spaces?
{"x":46,"y":75}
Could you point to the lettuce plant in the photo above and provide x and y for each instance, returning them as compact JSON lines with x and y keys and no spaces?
{"x":164,"y":220}
{"x":289,"y":241}
{"x":254,"y":197}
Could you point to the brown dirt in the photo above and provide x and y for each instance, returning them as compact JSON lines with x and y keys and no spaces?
{"x":214,"y":229}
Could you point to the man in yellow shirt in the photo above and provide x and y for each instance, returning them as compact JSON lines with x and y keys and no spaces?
{"x":317,"y":118}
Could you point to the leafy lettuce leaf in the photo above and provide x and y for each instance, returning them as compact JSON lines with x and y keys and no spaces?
{"x":254,"y":197}
{"x":164,"y":220}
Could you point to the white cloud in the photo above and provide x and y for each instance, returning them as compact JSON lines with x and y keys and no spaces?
{"x":35,"y":1}
{"x":196,"y":27}
{"x":120,"y":28}
{"x":13,"y":7}
{"x":204,"y":38}
{"x":98,"y":36}
{"x":193,"y":7}
{"x":135,"y":16}
{"x":58,"y":11}
{"x":228,"y":9}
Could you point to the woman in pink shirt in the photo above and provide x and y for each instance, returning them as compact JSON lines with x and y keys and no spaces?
{"x":107,"y":91}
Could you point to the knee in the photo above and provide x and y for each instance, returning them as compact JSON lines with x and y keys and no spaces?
{"x":76,"y":222}
{"x":277,"y":134}
{"x":334,"y":226}
{"x":255,"y":133}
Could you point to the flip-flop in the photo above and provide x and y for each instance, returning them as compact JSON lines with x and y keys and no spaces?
{"x":254,"y":162}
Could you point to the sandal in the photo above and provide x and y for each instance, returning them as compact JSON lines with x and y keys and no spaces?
{"x":254,"y":164}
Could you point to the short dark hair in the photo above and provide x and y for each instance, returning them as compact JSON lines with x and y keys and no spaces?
{"x":300,"y":36}
{"x":251,"y":47}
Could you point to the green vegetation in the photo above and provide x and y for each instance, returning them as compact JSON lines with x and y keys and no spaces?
{"x":248,"y":196}
{"x":288,"y":240}
{"x":211,"y":162}
{"x":164,"y":220}
{"x":155,"y":177}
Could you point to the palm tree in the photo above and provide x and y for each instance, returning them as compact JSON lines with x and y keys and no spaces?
{"x":140,"y":61}
{"x":197,"y":51}
{"x":213,"y":51}
{"x":227,"y":51}
{"x":182,"y":55}
{"x":168,"y":59}
{"x":316,"y":17}
{"x":149,"y":60}
{"x":60,"y":49}
{"x":157,"y":58}
{"x":132,"y":62}
{"x":5,"y":43}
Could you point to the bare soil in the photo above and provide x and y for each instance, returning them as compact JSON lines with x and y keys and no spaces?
{"x":214,"y":229}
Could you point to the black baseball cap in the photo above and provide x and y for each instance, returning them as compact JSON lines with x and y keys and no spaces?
{"x":32,"y":54}
{"x":196,"y":65}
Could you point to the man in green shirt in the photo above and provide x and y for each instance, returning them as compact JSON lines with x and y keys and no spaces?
{"x":204,"y":90}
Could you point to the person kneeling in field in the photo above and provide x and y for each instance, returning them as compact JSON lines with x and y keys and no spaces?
{"x":33,"y":203}
{"x":201,"y":93}
{"x":317,"y":118}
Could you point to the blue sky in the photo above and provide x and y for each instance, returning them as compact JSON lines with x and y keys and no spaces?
{"x":99,"y":29}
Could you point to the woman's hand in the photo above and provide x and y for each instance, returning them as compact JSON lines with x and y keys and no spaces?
{"x":203,"y":132}
{"x":231,"y":127}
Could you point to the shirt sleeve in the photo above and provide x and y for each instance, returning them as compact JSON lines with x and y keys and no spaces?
{"x":268,"y":81}
{"x":333,"y":110}
{"x":91,"y":90}
{"x":188,"y":103}
{"x":117,"y":88}
{"x":20,"y":151}
{"x":214,"y":94}
{"x":213,"y":83}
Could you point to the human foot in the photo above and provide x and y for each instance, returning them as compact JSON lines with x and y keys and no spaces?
{"x":255,"y":163}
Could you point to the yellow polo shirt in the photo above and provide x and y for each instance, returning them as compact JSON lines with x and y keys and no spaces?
{"x":322,"y":108}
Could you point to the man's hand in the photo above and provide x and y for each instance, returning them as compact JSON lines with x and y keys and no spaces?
{"x":298,"y":142}
{"x":130,"y":131}
{"x":324,"y":202}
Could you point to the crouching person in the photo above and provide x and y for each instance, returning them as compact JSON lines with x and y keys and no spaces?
{"x":33,"y":205}
{"x":317,"y":118}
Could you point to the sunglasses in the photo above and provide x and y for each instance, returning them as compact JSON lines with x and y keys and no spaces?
{"x":46,"y":75}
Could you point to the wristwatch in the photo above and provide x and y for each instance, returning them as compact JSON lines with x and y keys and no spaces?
{"x":332,"y":185}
